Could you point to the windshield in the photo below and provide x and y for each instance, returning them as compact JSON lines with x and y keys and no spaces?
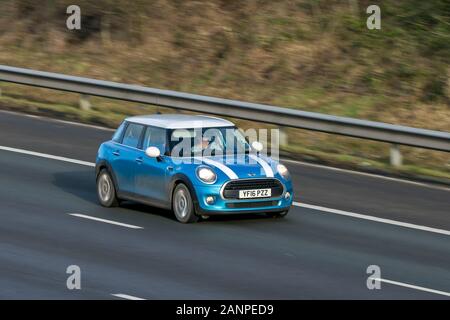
{"x":207,"y":142}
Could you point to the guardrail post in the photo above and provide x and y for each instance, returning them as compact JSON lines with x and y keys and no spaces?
{"x":84,"y":102}
{"x":396,"y":156}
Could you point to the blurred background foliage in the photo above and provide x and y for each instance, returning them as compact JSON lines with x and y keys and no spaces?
{"x":315,"y":55}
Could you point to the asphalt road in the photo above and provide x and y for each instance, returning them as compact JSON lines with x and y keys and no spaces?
{"x":310,"y":254}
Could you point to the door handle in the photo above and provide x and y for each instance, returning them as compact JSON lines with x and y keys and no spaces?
{"x":116,"y":153}
{"x":139,"y":160}
{"x":169,"y":168}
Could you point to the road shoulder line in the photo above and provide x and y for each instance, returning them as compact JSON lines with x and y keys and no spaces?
{"x":47,"y":156}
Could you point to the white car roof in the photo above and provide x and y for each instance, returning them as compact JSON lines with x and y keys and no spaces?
{"x":180,"y":121}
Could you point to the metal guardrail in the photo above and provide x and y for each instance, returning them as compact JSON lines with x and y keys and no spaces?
{"x":397,"y":135}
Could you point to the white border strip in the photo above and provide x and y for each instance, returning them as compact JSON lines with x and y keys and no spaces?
{"x":401,"y":284}
{"x":79,"y":215}
{"x":371,"y":218}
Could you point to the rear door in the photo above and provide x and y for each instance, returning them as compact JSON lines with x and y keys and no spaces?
{"x":150,"y":175}
{"x":124,"y":157}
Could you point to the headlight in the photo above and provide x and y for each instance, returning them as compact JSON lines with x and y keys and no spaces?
{"x":283,"y":170}
{"x":206,"y":175}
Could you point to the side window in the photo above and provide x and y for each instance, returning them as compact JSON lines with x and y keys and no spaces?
{"x":118,"y":134}
{"x":132,"y":135}
{"x":155,"y":137}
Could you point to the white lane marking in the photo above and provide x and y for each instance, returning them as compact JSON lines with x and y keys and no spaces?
{"x":126,"y":296}
{"x":406,"y":285}
{"x":48,"y":156}
{"x":267,"y":169}
{"x":309,"y":206}
{"x":230,"y":173}
{"x":371,"y":218}
{"x":105,"y":221}
{"x":372,"y":175}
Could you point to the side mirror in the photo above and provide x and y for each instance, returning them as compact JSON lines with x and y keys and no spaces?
{"x":153,"y":152}
{"x":258,"y":146}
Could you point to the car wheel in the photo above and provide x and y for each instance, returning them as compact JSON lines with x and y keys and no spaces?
{"x":182,"y":205}
{"x":281,"y":214}
{"x":106,"y":191}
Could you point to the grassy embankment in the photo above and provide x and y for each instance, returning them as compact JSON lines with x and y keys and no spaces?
{"x":312,"y":55}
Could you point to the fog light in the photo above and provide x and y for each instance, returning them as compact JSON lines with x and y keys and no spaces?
{"x":210,"y":199}
{"x":287,"y":196}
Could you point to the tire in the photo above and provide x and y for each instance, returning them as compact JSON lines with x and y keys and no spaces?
{"x":106,"y":191}
{"x":182,"y":205}
{"x":281,"y":214}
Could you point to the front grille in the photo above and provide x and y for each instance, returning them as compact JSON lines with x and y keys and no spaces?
{"x":231,"y":189}
{"x":260,"y":204}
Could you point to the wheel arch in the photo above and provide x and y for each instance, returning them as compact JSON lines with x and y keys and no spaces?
{"x":103,"y":164}
{"x":176,"y":180}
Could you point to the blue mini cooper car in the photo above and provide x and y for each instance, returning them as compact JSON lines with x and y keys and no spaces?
{"x":196,"y":166}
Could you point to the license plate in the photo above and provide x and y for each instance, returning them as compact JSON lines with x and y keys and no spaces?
{"x":256,"y":193}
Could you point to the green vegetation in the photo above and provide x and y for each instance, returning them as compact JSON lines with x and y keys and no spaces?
{"x":314,"y":55}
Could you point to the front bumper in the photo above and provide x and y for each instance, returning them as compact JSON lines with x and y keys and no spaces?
{"x":217,"y":213}
{"x":236,"y":206}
